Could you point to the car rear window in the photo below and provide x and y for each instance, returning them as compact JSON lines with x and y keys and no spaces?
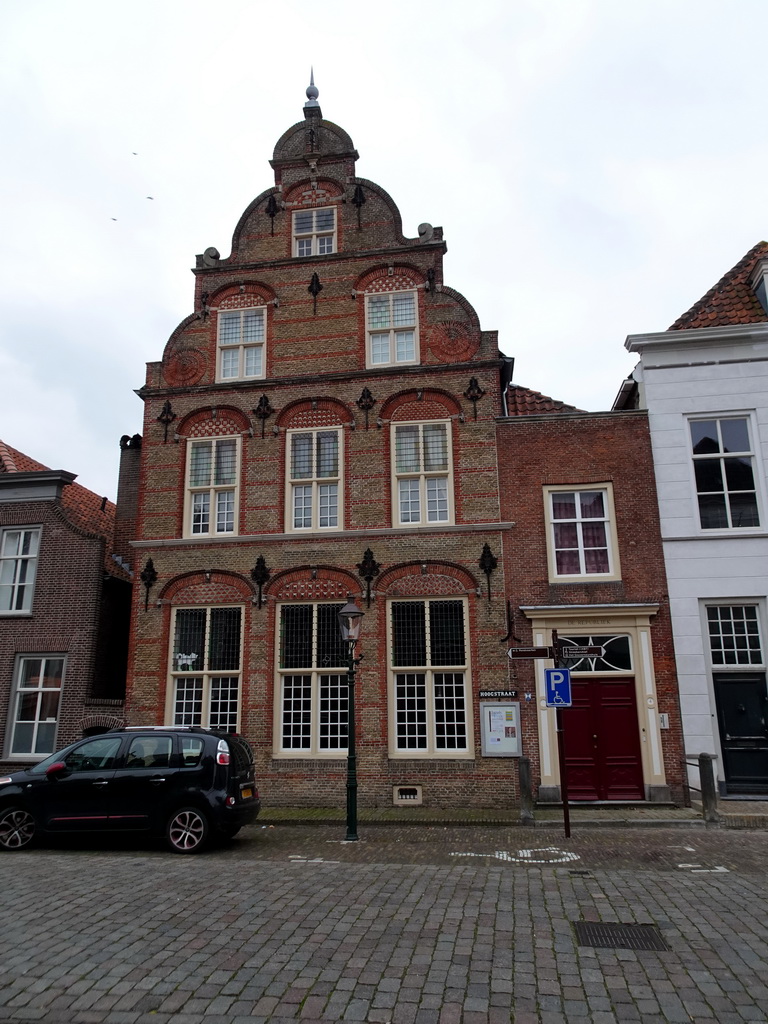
{"x":191,"y":751}
{"x":241,"y":753}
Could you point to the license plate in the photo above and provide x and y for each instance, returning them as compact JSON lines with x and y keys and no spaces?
{"x":246,"y":793}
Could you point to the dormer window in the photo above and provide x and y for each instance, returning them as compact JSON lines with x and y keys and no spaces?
{"x":759,"y":283}
{"x":314,"y":232}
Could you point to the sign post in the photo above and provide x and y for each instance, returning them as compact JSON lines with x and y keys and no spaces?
{"x":557,"y":684}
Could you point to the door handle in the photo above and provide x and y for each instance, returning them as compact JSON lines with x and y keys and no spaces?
{"x":101,"y":782}
{"x":156,"y":780}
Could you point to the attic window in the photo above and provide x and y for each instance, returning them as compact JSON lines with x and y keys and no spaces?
{"x":760,"y":283}
{"x":314,"y":232}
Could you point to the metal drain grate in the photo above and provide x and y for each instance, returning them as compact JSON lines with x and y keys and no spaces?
{"x":618,"y":936}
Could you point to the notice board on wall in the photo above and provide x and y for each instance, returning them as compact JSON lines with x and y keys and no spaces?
{"x":500,"y":729}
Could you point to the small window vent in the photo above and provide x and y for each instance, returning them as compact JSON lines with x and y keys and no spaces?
{"x":406,"y":796}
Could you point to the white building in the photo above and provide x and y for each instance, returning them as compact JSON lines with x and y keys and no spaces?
{"x":705,"y":385}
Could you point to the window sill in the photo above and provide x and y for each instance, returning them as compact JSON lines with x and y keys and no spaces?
{"x":16,"y":615}
{"x":585,"y":579}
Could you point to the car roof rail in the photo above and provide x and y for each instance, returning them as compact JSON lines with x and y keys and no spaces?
{"x":161,"y":728}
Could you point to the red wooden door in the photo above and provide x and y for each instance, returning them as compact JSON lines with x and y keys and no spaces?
{"x":602,"y":741}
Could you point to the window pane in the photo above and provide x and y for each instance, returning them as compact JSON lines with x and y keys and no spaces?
{"x":301,"y":456}
{"x":450,"y":711}
{"x":253,"y":361}
{"x":409,"y":501}
{"x":54,"y":669}
{"x":435,"y":447}
{"x":743,"y":510}
{"x":409,"y":637}
{"x":331,"y":650}
{"x":324,"y":245}
{"x":226,"y":462}
{"x":596,"y":560}
{"x":224,"y":644}
{"x":225,"y":512}
{"x":738,"y":474}
{"x":30,"y":672}
{"x":407,"y":449}
{"x":253,"y":325}
{"x":378,"y":311}
{"x":188,"y":705}
{"x":446,"y":629}
{"x":712,"y":511}
{"x":229,"y":328}
{"x":704,"y":437}
{"x":201,"y":507}
{"x":405,"y":342}
{"x":379,"y":348}
{"x":200,"y":464}
{"x":230,"y":362}
{"x":411,"y":711}
{"x":735,"y":435}
{"x":224,"y":700}
{"x":403,"y":309}
{"x":333,"y":712}
{"x":592,"y":505}
{"x":297,"y":712}
{"x":324,"y":219}
{"x":566,"y":535}
{"x":328,"y":512}
{"x":564,"y":505}
{"x":437,"y":499}
{"x":189,"y":640}
{"x":304,"y":247}
{"x":302,"y":222}
{"x":709,"y":475}
{"x":302,"y":508}
{"x":567,"y":563}
{"x":328,"y":454}
{"x":296,"y":636}
{"x":594,"y":535}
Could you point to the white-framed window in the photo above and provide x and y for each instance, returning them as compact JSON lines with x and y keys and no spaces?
{"x":206,"y":660}
{"x":314,"y":479}
{"x":429,"y":677}
{"x":391,"y":321}
{"x":18,"y":563}
{"x":724,"y":470}
{"x":35,"y":706}
{"x":314,"y":232}
{"x":241,"y":335}
{"x":581,"y":533}
{"x":734,"y":635}
{"x":312,"y":689}
{"x":423,"y":475}
{"x":213,"y":473}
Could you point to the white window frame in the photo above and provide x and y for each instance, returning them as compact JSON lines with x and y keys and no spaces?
{"x":720,"y":667}
{"x":18,"y":571}
{"x":614,"y":566}
{"x":216,"y":493}
{"x":431,"y":749}
{"x":188,"y":670}
{"x":375,"y":336}
{"x":422,"y":488}
{"x":310,"y":679}
{"x":312,"y":488}
{"x":314,"y":239}
{"x":40,"y":690}
{"x":242,"y":346}
{"x":751,"y":454}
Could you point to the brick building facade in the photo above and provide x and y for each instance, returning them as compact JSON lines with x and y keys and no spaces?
{"x":331,"y":420}
{"x":64,"y":611}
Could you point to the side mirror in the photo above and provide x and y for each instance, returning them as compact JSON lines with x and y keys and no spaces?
{"x":55,"y":770}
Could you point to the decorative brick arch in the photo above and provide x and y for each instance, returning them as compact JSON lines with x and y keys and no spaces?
{"x":429,"y":404}
{"x":102,"y":721}
{"x":305,"y":194}
{"x":426,"y":579}
{"x":214,"y":421}
{"x":314,"y":583}
{"x":316,"y":412}
{"x":214,"y":586}
{"x":403,"y":278}
{"x":237,"y":296}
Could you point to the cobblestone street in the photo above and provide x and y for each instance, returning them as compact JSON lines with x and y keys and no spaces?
{"x":425,"y":925}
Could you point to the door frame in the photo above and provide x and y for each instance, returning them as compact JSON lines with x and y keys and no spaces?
{"x":635,"y":621}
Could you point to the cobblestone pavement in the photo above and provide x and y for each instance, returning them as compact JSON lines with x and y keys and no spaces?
{"x":408,"y":926}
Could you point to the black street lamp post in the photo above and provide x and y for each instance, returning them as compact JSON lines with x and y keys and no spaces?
{"x":350,"y":619}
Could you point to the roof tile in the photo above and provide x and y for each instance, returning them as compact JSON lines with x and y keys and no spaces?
{"x":525,"y":402}
{"x":730,"y":301}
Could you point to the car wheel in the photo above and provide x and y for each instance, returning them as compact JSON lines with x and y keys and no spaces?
{"x":17,"y":828}
{"x":187,"y":830}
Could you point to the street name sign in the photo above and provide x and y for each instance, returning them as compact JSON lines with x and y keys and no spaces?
{"x":529,"y":652}
{"x":557,"y":687}
{"x":571,"y":651}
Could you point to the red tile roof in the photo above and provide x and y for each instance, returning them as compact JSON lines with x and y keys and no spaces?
{"x":525,"y":402}
{"x":83,"y":507}
{"x":731,"y":301}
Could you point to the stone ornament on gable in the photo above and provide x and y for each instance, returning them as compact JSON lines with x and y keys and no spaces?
{"x":184,"y":367}
{"x":453,"y":341}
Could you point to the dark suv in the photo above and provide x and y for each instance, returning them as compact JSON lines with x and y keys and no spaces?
{"x":185,"y":783}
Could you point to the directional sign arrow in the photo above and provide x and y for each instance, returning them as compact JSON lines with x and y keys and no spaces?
{"x":571,"y":651}
{"x":530,"y":652}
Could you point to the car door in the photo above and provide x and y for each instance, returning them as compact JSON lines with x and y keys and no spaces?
{"x":144,"y":782}
{"x":76,"y":798}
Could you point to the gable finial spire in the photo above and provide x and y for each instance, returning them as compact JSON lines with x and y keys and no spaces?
{"x":312,"y":91}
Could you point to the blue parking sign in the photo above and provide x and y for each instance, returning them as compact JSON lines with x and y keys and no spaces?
{"x":557,"y":685}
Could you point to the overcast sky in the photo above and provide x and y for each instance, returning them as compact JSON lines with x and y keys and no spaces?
{"x":596,"y":165}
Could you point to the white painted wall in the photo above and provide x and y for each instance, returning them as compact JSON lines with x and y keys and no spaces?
{"x":684,"y":373}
